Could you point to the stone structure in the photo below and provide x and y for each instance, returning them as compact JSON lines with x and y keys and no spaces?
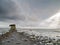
{"x":13,"y":28}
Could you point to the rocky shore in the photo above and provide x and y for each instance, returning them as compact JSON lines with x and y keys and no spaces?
{"x":22,"y":38}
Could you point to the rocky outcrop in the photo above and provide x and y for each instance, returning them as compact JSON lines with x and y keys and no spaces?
{"x":7,"y":34}
{"x":17,"y":38}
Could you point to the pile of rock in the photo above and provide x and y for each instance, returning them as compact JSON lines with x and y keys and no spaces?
{"x":22,"y":38}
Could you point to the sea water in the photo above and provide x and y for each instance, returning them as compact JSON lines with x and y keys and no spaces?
{"x":43,"y":32}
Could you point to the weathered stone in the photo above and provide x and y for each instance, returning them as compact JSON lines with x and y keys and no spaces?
{"x":13,"y":28}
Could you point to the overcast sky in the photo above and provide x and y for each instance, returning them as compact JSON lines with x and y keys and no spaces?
{"x":27,"y":12}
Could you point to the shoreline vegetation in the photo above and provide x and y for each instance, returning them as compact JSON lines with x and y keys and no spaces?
{"x":21,"y":38}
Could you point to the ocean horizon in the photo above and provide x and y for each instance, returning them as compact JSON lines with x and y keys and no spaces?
{"x":44,"y":32}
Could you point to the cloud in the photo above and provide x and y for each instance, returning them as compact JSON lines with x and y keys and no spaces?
{"x":10,"y":9}
{"x":27,"y":12}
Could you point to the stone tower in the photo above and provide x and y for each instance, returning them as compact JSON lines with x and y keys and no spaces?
{"x":13,"y":28}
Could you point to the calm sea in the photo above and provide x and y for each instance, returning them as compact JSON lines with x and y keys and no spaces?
{"x":50,"y":32}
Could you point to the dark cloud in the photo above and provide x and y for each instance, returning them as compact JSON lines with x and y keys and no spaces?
{"x":29,"y":12}
{"x":10,"y":10}
{"x":13,"y":9}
